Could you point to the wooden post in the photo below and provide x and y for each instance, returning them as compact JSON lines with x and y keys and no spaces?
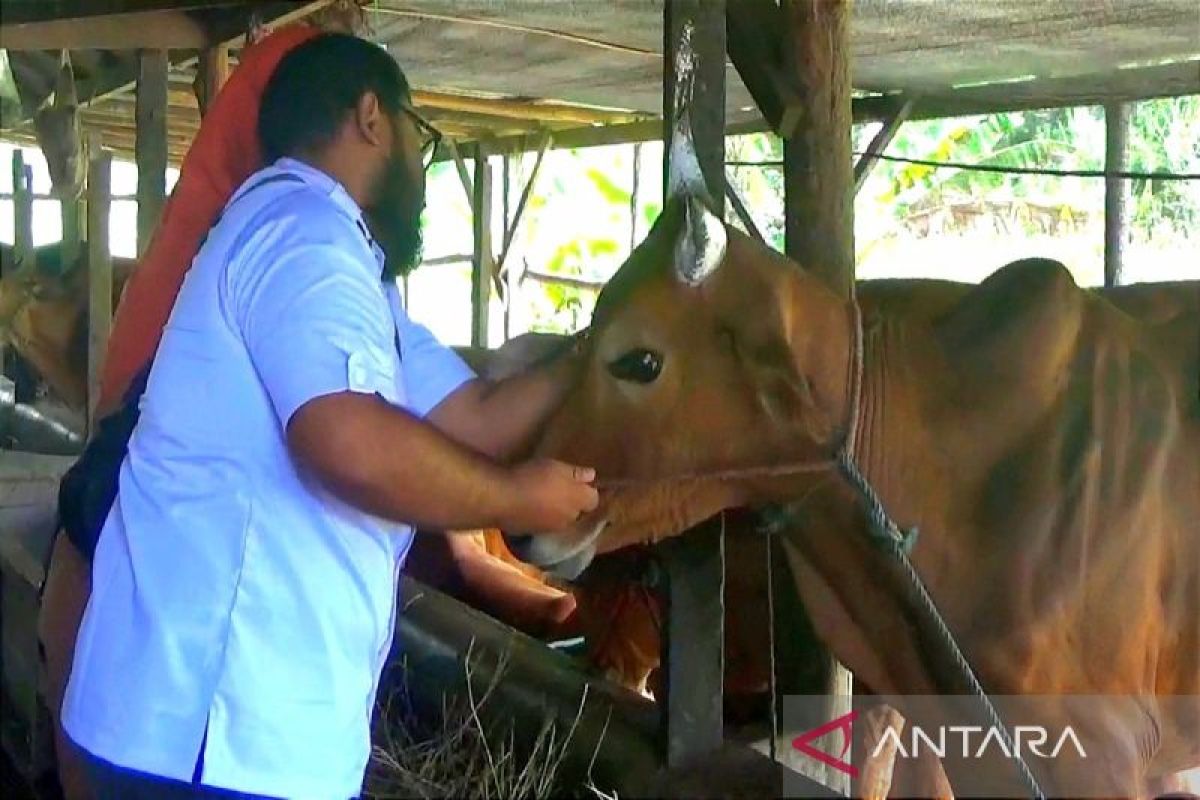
{"x":818,"y":177}
{"x":211,"y":73}
{"x":694,"y":564}
{"x":99,"y":266}
{"x":1116,"y":190}
{"x":633,"y":195}
{"x":818,"y":234}
{"x":481,"y":260}
{"x":22,"y":178}
{"x":151,"y":143}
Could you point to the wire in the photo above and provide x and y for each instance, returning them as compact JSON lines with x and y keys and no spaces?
{"x":1064,"y":173}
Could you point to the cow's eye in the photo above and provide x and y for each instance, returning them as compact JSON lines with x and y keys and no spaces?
{"x":639,"y":366}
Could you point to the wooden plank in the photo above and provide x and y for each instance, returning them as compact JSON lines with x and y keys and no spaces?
{"x":151,"y":143}
{"x":562,"y":280}
{"x":211,"y":74}
{"x":706,"y":110}
{"x":99,"y":270}
{"x":880,"y":142}
{"x":482,"y":258}
{"x":694,"y":564}
{"x":818,"y":179}
{"x":1116,"y":190}
{"x":173,"y":30}
{"x":460,"y":164}
{"x":754,"y":30}
{"x":526,"y":191}
{"x":22,"y":178}
{"x":742,"y":212}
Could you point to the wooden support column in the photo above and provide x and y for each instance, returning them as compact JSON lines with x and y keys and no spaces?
{"x":880,"y":142}
{"x":818,"y":177}
{"x":99,"y":266}
{"x":482,"y":259}
{"x":211,"y":74}
{"x":694,"y":564}
{"x":151,"y":144}
{"x":1116,"y":190}
{"x":22,"y":179}
{"x":819,"y":234}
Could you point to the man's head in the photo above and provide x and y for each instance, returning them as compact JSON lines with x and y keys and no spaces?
{"x":343,"y":104}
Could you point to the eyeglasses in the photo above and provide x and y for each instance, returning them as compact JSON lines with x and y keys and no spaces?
{"x":430,"y":136}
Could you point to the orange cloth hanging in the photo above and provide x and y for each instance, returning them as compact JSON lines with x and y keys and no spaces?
{"x":224,"y":153}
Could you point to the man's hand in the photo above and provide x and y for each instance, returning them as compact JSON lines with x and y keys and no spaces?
{"x":549,"y":496}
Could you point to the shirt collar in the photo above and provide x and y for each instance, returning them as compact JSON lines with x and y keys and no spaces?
{"x":333,"y":189}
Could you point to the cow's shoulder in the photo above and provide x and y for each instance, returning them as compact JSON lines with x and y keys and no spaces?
{"x":1018,"y":328}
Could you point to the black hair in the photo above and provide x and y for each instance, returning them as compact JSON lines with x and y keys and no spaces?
{"x":316,"y":84}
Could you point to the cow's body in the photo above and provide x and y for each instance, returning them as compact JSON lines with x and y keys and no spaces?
{"x":1045,"y":442}
{"x":43,"y":315}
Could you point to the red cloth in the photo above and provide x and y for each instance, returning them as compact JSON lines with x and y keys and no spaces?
{"x":224,"y":153}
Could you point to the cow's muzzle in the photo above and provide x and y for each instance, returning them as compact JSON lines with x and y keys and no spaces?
{"x":565,"y":555}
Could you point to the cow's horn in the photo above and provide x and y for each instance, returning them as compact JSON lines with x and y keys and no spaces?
{"x":701,"y":246}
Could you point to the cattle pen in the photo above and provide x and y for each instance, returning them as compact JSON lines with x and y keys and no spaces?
{"x":502,"y":79}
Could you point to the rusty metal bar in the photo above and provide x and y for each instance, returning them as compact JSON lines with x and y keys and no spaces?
{"x":99,"y":265}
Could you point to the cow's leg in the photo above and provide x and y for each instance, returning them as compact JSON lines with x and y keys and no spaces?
{"x":68,"y":586}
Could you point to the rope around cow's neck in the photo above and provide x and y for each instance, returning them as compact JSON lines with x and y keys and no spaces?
{"x":883,"y":531}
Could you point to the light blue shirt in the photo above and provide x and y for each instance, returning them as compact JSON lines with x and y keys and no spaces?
{"x":231,"y":594}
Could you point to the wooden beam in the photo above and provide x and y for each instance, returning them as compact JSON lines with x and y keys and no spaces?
{"x":99,"y":267}
{"x":211,"y":74}
{"x":743,"y":213}
{"x":22,"y":180}
{"x":1116,"y":190}
{"x":755,"y":40}
{"x":818,"y":179}
{"x":460,"y":164}
{"x":173,"y":30}
{"x":481,"y":261}
{"x":706,"y":105}
{"x":535,"y":110}
{"x":562,"y":280}
{"x":693,"y":565}
{"x":151,"y":144}
{"x":881,"y":140}
{"x":511,"y":231}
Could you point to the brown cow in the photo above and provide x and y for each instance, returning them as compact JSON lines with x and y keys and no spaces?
{"x":1046,"y":443}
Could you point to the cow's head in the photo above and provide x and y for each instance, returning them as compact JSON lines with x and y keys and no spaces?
{"x":707,"y":352}
{"x":60,"y":135}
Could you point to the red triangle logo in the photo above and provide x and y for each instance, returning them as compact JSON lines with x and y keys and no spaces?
{"x":844,"y":723}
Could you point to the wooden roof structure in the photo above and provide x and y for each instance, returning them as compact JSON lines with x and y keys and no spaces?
{"x":506,"y":72}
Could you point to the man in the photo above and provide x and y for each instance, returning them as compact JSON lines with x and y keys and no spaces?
{"x":294,"y":425}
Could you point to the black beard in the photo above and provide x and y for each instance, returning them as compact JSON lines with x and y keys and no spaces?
{"x":395,"y":221}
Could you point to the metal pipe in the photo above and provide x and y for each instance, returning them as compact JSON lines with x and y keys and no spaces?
{"x":23,"y":427}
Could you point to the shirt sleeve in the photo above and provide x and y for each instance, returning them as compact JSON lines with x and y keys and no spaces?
{"x":315,"y":323}
{"x":431,"y":370}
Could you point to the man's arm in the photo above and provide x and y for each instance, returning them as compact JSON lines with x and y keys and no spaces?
{"x":383,"y":460}
{"x":501,"y":418}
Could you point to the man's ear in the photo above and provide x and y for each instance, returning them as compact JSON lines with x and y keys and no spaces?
{"x":371,"y":121}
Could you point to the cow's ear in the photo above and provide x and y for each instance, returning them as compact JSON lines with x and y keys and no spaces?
{"x":702,"y":243}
